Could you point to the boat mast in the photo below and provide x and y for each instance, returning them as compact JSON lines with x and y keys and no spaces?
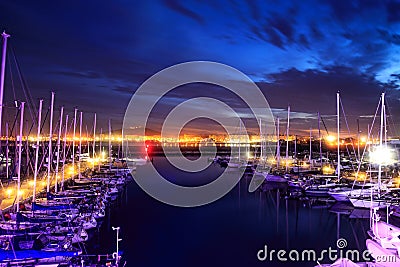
{"x":278,"y":147}
{"x":50,"y":141}
{"x":21,"y":125}
{"x":338,"y":134}
{"x":3,"y":70}
{"x":287,"y":139}
{"x":7,"y":167}
{"x":37,"y":150}
{"x":122,"y":144}
{"x":58,"y":148}
{"x":240,"y":135}
{"x":261,"y":144}
{"x":73,"y":144}
{"x":109,"y":143}
{"x":384,"y":124}
{"x":358,"y":141}
{"x":381,"y":141}
{"x":100,"y":147}
{"x":94,"y":137}
{"x":64,"y":152}
{"x":319,"y":137}
{"x":80,"y":146}
{"x":27,"y":147}
{"x":310,"y":156}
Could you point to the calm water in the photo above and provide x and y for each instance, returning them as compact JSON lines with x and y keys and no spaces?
{"x":228,"y":232}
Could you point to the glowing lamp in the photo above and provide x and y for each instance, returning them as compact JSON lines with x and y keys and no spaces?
{"x":327,"y":170}
{"x":9,"y":192}
{"x":330,"y":138}
{"x":70,"y":170}
{"x":382,"y":155}
{"x":360,"y":176}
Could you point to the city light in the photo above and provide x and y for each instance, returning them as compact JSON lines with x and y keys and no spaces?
{"x":328,"y":170}
{"x":382,"y":155}
{"x":360,"y":176}
{"x":331,"y":138}
{"x":70,"y":170}
{"x":21,"y":193}
{"x":9,"y":192}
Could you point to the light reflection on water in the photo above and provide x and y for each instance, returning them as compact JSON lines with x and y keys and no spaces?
{"x":228,"y":232}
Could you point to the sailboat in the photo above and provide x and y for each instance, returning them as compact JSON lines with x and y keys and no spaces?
{"x":263,"y":171}
{"x":237,"y":162}
{"x":377,"y":197}
{"x":384,"y":242}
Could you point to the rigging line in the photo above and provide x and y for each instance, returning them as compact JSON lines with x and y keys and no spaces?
{"x":365,"y":147}
{"x":24,"y":84}
{"x":323,"y":123}
{"x":44,"y":153}
{"x":25,"y":89}
{"x":12,"y":86}
{"x":87,"y":137}
{"x":68,"y":146}
{"x":11,"y":77}
{"x":348,"y":128}
{"x":392,"y":125}
{"x":41,"y":129}
{"x":15,"y":121}
{"x":15,"y":147}
{"x":351,"y":162}
{"x":46,"y":148}
{"x":44,"y":120}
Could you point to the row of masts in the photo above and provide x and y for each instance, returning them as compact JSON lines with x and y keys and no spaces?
{"x":382,"y":136}
{"x":60,"y":145}
{"x":278,"y":151}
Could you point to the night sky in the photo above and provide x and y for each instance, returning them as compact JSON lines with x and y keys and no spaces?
{"x":95,"y":54}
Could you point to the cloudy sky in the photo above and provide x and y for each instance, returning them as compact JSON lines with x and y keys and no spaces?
{"x":95,"y":54}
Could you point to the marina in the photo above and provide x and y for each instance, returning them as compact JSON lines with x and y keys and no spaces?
{"x":200,"y":133}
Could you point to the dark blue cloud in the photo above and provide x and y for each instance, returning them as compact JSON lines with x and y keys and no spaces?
{"x":180,"y":8}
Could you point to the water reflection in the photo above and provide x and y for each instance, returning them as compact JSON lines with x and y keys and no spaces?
{"x":230,"y":231}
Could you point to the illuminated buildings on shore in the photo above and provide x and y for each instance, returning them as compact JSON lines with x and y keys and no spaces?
{"x":221,"y":139}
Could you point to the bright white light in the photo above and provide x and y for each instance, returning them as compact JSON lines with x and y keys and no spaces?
{"x":330,"y":138}
{"x":382,"y":155}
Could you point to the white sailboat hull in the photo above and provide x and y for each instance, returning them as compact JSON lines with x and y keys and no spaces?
{"x":378,"y":252}
{"x":344,"y":196}
{"x":366,"y":203}
{"x":271,"y":178}
{"x":233,"y":165}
